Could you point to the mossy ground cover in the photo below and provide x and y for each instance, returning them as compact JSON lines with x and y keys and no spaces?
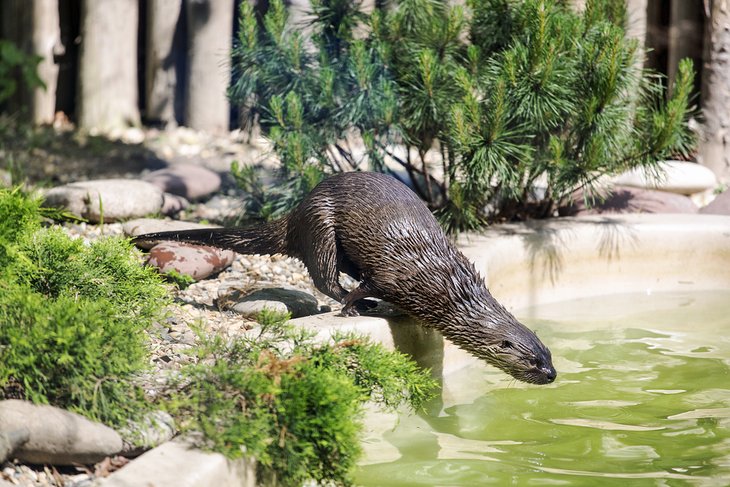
{"x":75,"y":321}
{"x":73,"y":316}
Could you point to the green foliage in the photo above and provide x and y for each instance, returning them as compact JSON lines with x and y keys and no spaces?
{"x":73,"y":316}
{"x":71,"y":352}
{"x":182,"y":281}
{"x":15,"y":65}
{"x":293,"y":404}
{"x":496,"y":95}
{"x":19,"y":215}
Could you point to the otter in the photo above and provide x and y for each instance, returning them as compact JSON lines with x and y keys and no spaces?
{"x":375,"y":229}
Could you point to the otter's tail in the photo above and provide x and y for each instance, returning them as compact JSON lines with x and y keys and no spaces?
{"x":267,"y":238}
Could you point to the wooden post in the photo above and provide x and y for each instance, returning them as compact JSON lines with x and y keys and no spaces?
{"x":715,"y":145}
{"x":46,"y":43}
{"x":161,"y":69}
{"x":210,"y":33}
{"x":108,"y":96}
{"x":685,"y":34}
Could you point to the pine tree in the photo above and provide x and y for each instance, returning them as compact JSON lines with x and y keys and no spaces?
{"x":485,"y":99}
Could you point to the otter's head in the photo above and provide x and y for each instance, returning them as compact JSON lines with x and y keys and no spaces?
{"x":516,"y":350}
{"x":502,"y":341}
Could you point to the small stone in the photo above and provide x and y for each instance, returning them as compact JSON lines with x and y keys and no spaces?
{"x":196,"y":261}
{"x":133,"y":135}
{"x":57,"y":437}
{"x":112,"y":199}
{"x":631,"y":200}
{"x":674,"y":176}
{"x":6,"y":179}
{"x":173,"y":204}
{"x":286,"y":300}
{"x":190,"y":181}
{"x":719,"y":206}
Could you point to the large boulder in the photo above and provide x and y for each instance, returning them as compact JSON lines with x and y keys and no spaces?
{"x":190,"y":181}
{"x":110,"y":199}
{"x":196,"y":261}
{"x":251,"y":302}
{"x":719,"y":206}
{"x":55,"y":436}
{"x":673,"y":176}
{"x":631,"y":200}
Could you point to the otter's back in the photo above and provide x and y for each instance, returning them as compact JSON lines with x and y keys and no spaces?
{"x":382,"y":227}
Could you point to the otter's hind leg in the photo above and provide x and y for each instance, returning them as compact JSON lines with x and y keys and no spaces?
{"x":321,"y":256}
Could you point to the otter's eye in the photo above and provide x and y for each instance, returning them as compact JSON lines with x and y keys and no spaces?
{"x":506,"y":344}
{"x":532,"y":362}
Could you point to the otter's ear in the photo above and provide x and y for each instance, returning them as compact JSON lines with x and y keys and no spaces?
{"x":506,"y":344}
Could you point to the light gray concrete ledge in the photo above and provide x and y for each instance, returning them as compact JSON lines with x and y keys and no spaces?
{"x":176,"y":464}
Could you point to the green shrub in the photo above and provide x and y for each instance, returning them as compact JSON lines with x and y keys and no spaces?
{"x":19,"y":215}
{"x":503,"y":92}
{"x":291,"y":403}
{"x":73,"y":316}
{"x":71,"y":352}
{"x":107,"y":269}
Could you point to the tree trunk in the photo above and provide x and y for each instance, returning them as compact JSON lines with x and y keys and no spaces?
{"x":715,"y":145}
{"x":685,"y":34}
{"x":210,"y":32}
{"x":636,"y":23}
{"x":164,"y":50}
{"x":46,"y":43}
{"x":108,"y":95}
{"x":17,"y":24}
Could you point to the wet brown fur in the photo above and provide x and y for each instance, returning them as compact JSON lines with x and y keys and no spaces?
{"x":375,"y":229}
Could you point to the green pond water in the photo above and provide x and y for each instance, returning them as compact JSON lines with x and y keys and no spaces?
{"x":642,"y":398}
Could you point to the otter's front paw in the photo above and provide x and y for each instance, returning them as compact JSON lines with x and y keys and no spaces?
{"x":349,"y":310}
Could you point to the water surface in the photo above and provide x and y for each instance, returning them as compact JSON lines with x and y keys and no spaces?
{"x":642,"y":398}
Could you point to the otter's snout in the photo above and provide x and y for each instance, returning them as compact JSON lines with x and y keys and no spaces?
{"x":546,"y":375}
{"x":523,"y":356}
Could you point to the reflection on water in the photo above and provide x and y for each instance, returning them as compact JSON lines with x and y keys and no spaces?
{"x":642,"y":398}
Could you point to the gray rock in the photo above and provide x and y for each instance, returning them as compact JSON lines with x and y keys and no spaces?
{"x":250,"y":303}
{"x":141,"y":226}
{"x":179,"y":464}
{"x":631,"y":200}
{"x":173,"y":204}
{"x":6,"y":179}
{"x":196,"y":261}
{"x":154,"y":429}
{"x":57,"y":437}
{"x":719,"y":206}
{"x":674,"y":176}
{"x":114,"y":199}
{"x":11,"y":440}
{"x":187,"y":180}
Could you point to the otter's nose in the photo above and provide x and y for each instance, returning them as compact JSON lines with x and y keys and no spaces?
{"x":550,"y":373}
